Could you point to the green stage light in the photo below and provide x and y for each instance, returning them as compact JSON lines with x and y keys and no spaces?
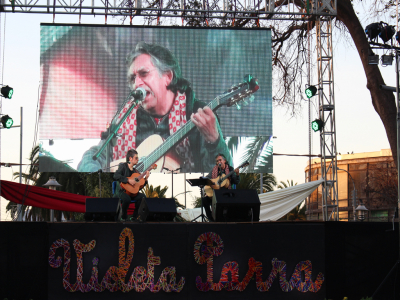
{"x":317,"y":125}
{"x":311,"y":91}
{"x":7,"y":92}
{"x":7,"y":121}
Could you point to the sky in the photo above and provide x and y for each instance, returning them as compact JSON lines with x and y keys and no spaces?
{"x":358,"y":126}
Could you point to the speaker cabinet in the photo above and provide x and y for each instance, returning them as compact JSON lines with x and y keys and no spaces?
{"x":157,"y":209}
{"x":235,"y":206}
{"x":103,"y":209}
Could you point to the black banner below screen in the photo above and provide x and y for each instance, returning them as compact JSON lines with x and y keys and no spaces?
{"x":186,"y":261}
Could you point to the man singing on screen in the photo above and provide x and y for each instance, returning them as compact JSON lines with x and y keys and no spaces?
{"x":168,"y":104}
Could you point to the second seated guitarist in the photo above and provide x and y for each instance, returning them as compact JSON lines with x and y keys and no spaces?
{"x":220,"y":169}
{"x":125,"y":170}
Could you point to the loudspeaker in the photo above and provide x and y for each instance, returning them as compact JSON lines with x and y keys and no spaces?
{"x":103,"y":209}
{"x":235,"y":206}
{"x":157,"y":209}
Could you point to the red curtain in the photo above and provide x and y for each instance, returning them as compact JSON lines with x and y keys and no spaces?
{"x":45,"y":198}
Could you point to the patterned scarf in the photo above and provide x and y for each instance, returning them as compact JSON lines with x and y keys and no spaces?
{"x":214,"y":174}
{"x":177,"y":118}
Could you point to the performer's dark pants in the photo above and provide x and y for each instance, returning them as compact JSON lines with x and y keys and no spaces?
{"x":207,"y":202}
{"x":126,"y":201}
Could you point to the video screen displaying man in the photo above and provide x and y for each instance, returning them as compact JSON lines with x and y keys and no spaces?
{"x":194,"y":81}
{"x":167,"y":106}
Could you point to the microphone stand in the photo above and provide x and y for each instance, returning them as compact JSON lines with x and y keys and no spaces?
{"x":113,"y":129}
{"x":101,"y":171}
{"x":219,"y":175}
{"x":172,"y":173}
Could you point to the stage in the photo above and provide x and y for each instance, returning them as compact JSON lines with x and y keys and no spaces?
{"x":273,"y":260}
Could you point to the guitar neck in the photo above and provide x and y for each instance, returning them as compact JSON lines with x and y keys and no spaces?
{"x":183,"y":131}
{"x":233,"y":171}
{"x":227,"y":175}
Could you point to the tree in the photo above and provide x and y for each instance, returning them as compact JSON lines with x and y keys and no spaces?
{"x":283,"y":185}
{"x":252,"y":181}
{"x":296,"y":214}
{"x":381,"y":187}
{"x":33,"y":171}
{"x":156,"y":192}
{"x":197,"y":202}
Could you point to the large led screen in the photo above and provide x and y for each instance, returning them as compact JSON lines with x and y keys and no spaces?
{"x":179,"y":96}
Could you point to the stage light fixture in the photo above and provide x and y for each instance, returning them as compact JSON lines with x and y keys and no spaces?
{"x":6,"y":121}
{"x":387,"y":33}
{"x":317,"y":125}
{"x":311,"y":91}
{"x":387,"y":60}
{"x":7,"y":92}
{"x":373,"y":30}
{"x":373,"y":59}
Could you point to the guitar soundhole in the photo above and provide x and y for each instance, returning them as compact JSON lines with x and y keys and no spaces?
{"x":136,"y":179}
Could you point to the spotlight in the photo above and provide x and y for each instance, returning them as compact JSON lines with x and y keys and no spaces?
{"x":317,"y":125}
{"x":387,"y":60}
{"x":7,"y":92}
{"x":387,"y":33}
{"x":311,"y":91}
{"x":373,"y":30}
{"x":6,"y":121}
{"x":373,"y":59}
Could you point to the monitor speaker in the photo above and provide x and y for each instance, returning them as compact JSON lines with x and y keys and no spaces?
{"x":235,"y":206}
{"x":157,"y":209}
{"x":103,"y":209}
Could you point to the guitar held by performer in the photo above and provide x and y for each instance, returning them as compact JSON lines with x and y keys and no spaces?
{"x":222,"y":181}
{"x":136,"y":182}
{"x":132,"y":181}
{"x":221,"y":169}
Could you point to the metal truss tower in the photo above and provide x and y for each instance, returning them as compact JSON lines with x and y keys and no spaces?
{"x":326,"y":99}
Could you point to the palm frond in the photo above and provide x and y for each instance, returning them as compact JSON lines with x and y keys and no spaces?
{"x":253,"y":147}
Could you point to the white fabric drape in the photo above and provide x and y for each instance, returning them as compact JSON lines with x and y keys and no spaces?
{"x":276,"y":204}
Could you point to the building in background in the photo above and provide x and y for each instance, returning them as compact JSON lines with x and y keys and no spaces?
{"x":375,"y":182}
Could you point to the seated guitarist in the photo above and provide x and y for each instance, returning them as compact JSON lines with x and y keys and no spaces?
{"x":125,"y":170}
{"x":220,"y":169}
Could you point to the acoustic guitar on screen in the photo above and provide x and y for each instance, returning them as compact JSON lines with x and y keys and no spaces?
{"x":154,"y":148}
{"x":221,"y":181}
{"x":133,"y":190}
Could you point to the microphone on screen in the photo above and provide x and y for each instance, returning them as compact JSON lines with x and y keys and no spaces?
{"x":138,"y":94}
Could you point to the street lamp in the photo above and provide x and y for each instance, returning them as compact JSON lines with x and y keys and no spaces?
{"x":52,"y":184}
{"x":361,"y":210}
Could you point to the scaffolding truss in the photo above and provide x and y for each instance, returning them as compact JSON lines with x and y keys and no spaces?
{"x":239,"y":9}
{"x":326,"y":100}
